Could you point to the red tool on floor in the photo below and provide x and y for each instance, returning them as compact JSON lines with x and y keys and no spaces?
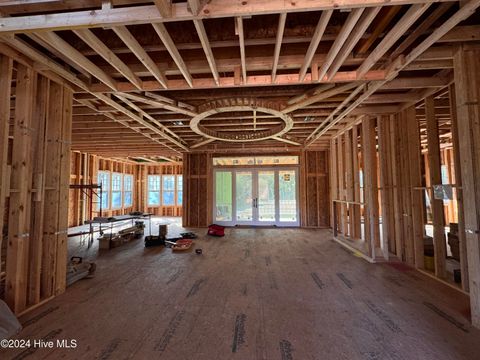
{"x":216,"y":230}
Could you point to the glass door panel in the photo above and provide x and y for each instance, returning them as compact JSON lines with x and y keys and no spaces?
{"x":287,"y":184}
{"x":266,"y":196}
{"x":244,"y":196}
{"x":223,"y":196}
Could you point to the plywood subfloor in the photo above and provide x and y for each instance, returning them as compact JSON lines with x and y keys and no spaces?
{"x":254,"y":294}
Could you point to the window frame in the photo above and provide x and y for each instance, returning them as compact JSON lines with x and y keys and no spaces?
{"x":159,"y":190}
{"x":125,"y":190}
{"x":170,"y":191}
{"x":105,"y":189}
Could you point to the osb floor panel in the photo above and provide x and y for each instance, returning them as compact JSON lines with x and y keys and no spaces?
{"x":254,"y":294}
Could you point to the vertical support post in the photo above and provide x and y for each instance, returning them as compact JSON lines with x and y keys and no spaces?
{"x":466,"y":64}
{"x":357,"y":226}
{"x":6,"y":65}
{"x":416,"y":195}
{"x":370,"y":181}
{"x":459,"y":190}
{"x":18,"y":221}
{"x":349,"y":180}
{"x":333,"y":181}
{"x":436,"y":179}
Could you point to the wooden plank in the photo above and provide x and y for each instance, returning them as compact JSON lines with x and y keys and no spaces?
{"x":317,"y":36}
{"x":396,"y":183}
{"x":436,"y":179}
{"x":459,"y":190}
{"x":349,"y":178}
{"x":278,"y":44}
{"x":18,"y":221}
{"x":414,"y":160}
{"x":202,"y":35}
{"x":162,"y":32}
{"x":362,"y":25}
{"x":39,"y":162}
{"x":77,"y":57}
{"x":357,"y":212}
{"x":340,"y":40}
{"x":164,"y":7}
{"x":370,"y":181}
{"x":130,"y":15}
{"x":341,"y":184}
{"x":101,"y":49}
{"x":62,"y":227}
{"x":388,"y":233}
{"x":6,"y":66}
{"x":467,"y":81}
{"x":52,"y":198}
{"x":241,"y":40}
{"x":391,"y":38}
{"x":125,"y":35}
{"x":333,"y":178}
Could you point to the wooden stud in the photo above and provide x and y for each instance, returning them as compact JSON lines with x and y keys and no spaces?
{"x":6,"y":66}
{"x":18,"y":221}
{"x":436,"y":179}
{"x":467,"y":79}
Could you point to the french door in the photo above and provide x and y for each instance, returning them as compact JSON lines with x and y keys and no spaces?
{"x":260,"y":196}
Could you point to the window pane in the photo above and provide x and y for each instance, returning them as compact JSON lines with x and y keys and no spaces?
{"x":127,"y":201}
{"x":180,"y":182}
{"x":223,"y":196}
{"x":180,"y":198}
{"x":153,"y":198}
{"x":104,"y":201}
{"x":116,"y":182}
{"x":168,"y":198}
{"x":116,"y":199}
{"x":288,"y":195}
{"x":168,"y":182}
{"x":154,"y":182}
{"x":128,"y":182}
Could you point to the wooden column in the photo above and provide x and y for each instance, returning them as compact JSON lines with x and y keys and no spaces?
{"x":384,"y":148}
{"x":357,"y":226}
{"x":6,"y":64}
{"x":436,"y":179}
{"x":370,"y":183}
{"x":341,"y":185}
{"x":459,"y":190}
{"x":18,"y":220}
{"x":466,"y":64}
{"x":39,"y":161}
{"x":349,"y":180}
{"x":333,"y":179}
{"x":416,"y":194}
{"x":397,"y":186}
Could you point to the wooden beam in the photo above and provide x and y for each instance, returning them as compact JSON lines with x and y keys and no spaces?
{"x":434,"y":163}
{"x":241,"y":39}
{"x":467,"y":89}
{"x":94,"y":42}
{"x":369,"y":154}
{"x":417,"y":196}
{"x":202,"y":35}
{"x":378,"y":29}
{"x":146,"y":14}
{"x":339,"y":42}
{"x":78,"y":58}
{"x":201,"y":143}
{"x":288,"y":141}
{"x":125,"y":35}
{"x":160,"y":130}
{"x":162,"y":32}
{"x":278,"y":44}
{"x":154,"y":102}
{"x":356,"y":34}
{"x":317,"y":36}
{"x":459,"y":189}
{"x":6,"y":67}
{"x":420,"y":30}
{"x":18,"y":220}
{"x":393,"y":35}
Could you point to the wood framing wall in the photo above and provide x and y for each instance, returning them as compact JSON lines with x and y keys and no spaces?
{"x":400,"y":160}
{"x":84,"y":170}
{"x":314,"y":189}
{"x":35,"y":160}
{"x":197,"y":189}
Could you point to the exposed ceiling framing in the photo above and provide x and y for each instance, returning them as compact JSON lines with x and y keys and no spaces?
{"x":141,"y":71}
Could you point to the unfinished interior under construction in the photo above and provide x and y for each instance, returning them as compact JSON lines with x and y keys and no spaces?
{"x":249,"y":179}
